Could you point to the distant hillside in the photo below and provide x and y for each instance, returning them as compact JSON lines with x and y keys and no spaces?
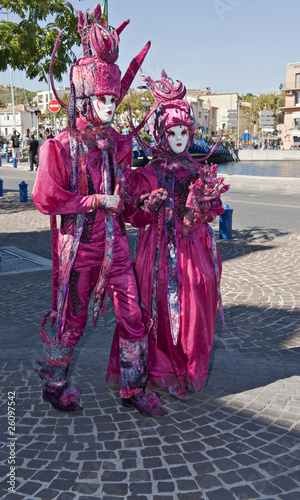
{"x":19,"y":94}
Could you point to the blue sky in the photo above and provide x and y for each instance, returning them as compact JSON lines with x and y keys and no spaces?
{"x":229,"y":45}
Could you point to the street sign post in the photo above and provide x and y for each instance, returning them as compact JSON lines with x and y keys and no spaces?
{"x":54,"y":106}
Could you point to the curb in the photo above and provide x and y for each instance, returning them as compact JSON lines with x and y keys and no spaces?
{"x":280,"y":184}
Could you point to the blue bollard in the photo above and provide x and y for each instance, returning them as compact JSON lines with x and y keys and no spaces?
{"x":15,"y":162}
{"x":0,"y":160}
{"x":225,"y":223}
{"x":23,"y":191}
{"x":1,"y":187}
{"x":7,"y":157}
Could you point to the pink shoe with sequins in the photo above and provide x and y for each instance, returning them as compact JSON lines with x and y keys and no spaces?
{"x":147,"y":403}
{"x":179,"y":392}
{"x":62,"y":398}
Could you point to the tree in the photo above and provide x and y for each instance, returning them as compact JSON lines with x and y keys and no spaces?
{"x":137,"y":109}
{"x":2,"y":103}
{"x":271,"y":102}
{"x":28,"y":45}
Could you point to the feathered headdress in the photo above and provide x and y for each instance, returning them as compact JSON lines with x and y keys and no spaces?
{"x":96,"y":72}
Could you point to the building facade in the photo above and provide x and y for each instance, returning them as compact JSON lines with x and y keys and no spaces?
{"x":22,"y":121}
{"x":216,"y":112}
{"x":45,"y":96}
{"x":290,"y":131}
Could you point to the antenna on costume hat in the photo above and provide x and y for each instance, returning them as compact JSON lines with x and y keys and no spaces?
{"x":56,"y":45}
{"x":164,"y":89}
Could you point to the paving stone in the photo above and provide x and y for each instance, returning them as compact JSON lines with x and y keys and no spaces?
{"x":165,"y":486}
{"x":161,"y":474}
{"x":29,"y":488}
{"x":83,"y":476}
{"x":45,"y":476}
{"x":129,"y":463}
{"x":192,"y":495}
{"x":244,"y":492}
{"x":163,"y":497}
{"x":266,"y":488}
{"x":141,"y":487}
{"x":22,"y":473}
{"x":289,"y":496}
{"x":66,"y":496}
{"x":194,"y":457}
{"x":116,"y":489}
{"x":207,"y":481}
{"x":182,"y":471}
{"x":174,"y":459}
{"x":249,"y":474}
{"x":151,"y":451}
{"x":219,"y":453}
{"x":87,"y":455}
{"x":229,"y":477}
{"x":225,"y":464}
{"x":245,"y":459}
{"x":47,"y":494}
{"x":113,"y":476}
{"x":86,"y":488}
{"x":139,"y":475}
{"x":65,"y":474}
{"x":220,"y":494}
{"x":150,"y":463}
{"x":285,"y":483}
{"x":62,"y":484}
{"x":204,"y":467}
{"x":295,"y":475}
{"x":272,"y":468}
{"x":36,"y":464}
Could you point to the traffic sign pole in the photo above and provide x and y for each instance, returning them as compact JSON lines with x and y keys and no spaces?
{"x":54,"y":107}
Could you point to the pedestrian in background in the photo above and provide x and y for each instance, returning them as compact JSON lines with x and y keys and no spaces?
{"x":42,"y":139}
{"x":15,"y":144}
{"x":26,"y":142}
{"x":33,"y":149}
{"x":5,"y":147}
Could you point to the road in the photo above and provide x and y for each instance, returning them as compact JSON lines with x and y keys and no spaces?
{"x":267,"y":209}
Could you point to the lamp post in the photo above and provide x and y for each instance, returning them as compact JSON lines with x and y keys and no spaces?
{"x":11,"y":80}
{"x":205,"y":111}
{"x":146,"y":102}
{"x":238,"y":123}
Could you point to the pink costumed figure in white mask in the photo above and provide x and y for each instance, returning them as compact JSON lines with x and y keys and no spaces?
{"x":82,"y":177}
{"x":177,"y":265}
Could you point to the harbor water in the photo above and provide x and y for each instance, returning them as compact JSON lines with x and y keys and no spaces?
{"x":289,"y":169}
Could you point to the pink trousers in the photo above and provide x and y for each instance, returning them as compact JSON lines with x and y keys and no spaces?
{"x":121,"y":288}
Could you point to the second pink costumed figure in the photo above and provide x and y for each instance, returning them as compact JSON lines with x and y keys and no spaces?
{"x":177,"y":263}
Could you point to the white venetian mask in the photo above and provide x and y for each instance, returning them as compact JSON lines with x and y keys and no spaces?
{"x":177,"y":138}
{"x":105,"y":107}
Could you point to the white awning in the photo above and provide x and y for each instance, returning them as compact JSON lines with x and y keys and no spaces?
{"x":267,"y":129}
{"x":295,"y":132}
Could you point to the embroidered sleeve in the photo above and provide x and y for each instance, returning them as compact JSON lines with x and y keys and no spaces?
{"x":51,"y":193}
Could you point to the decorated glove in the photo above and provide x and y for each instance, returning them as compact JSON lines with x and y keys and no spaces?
{"x":108,"y":202}
{"x":150,"y":203}
{"x":192,"y":218}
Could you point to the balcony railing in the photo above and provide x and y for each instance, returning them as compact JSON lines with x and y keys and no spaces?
{"x":286,"y":86}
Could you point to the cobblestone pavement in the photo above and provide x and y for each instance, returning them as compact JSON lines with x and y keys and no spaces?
{"x":238,"y":438}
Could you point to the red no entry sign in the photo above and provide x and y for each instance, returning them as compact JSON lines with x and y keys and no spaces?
{"x":54,"y":106}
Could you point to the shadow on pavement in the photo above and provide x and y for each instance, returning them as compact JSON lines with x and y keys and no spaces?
{"x":246,"y":241}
